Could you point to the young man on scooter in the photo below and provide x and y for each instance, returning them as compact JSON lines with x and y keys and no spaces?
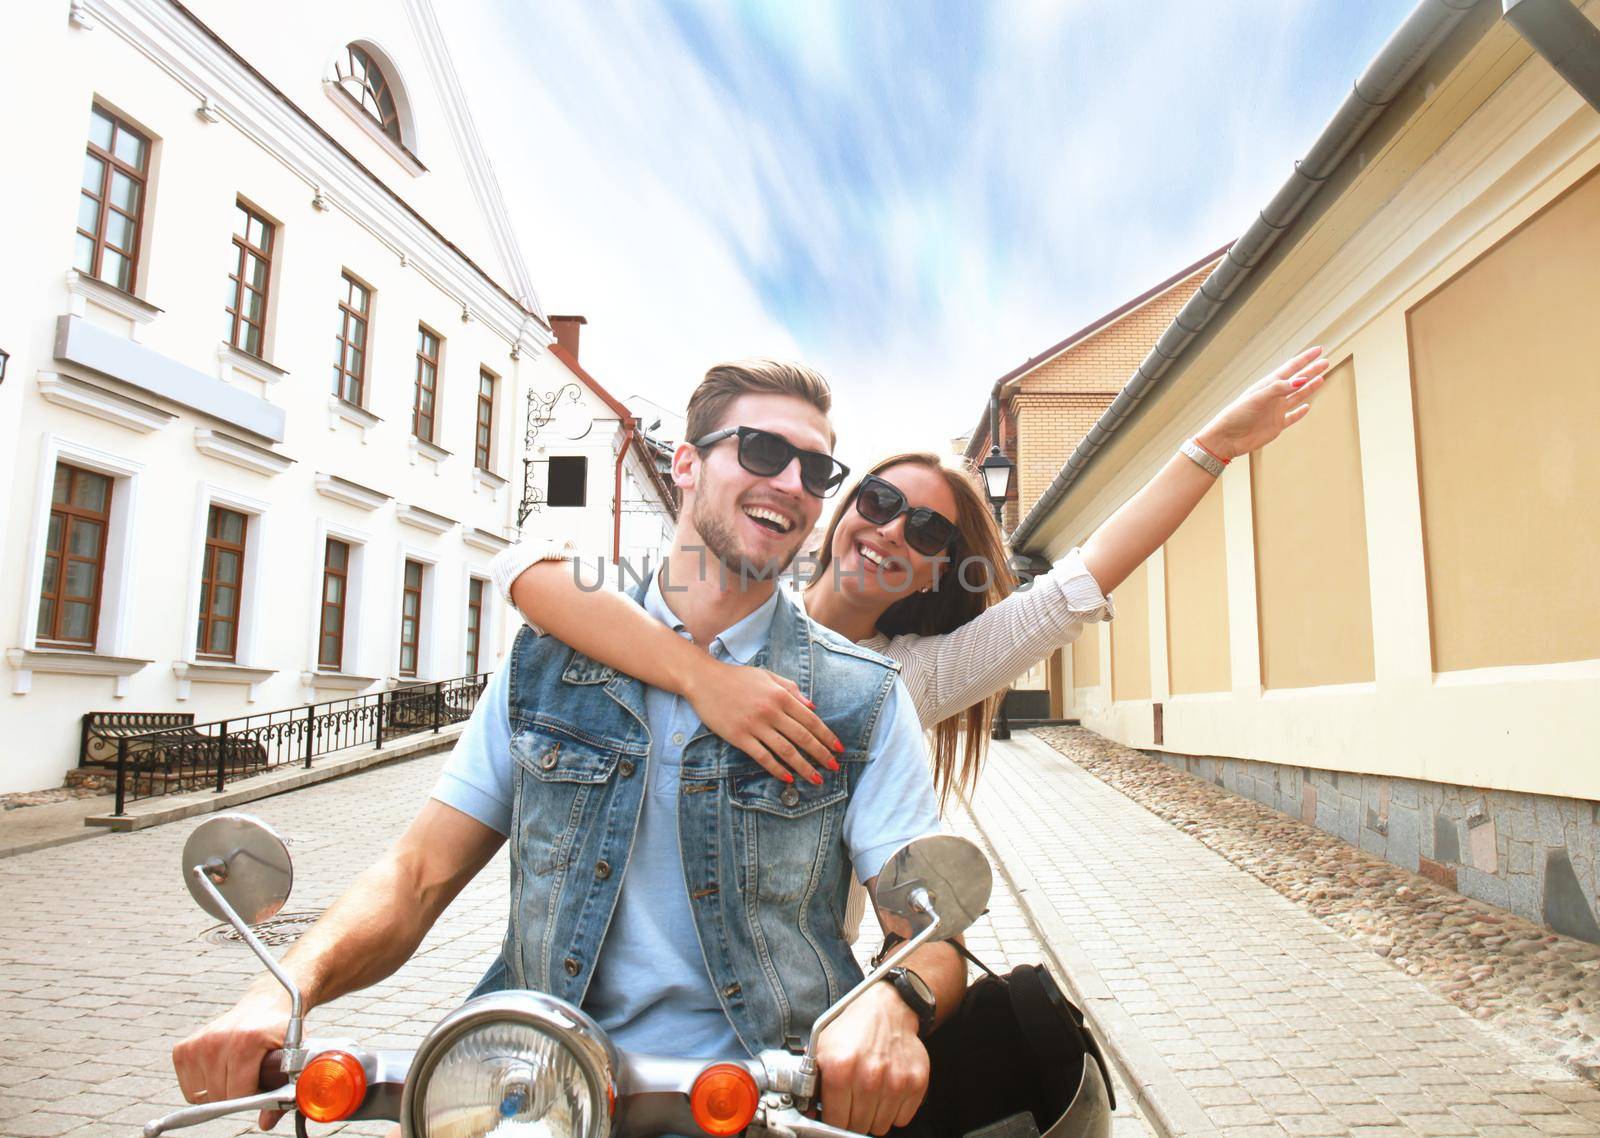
{"x":681,"y":895}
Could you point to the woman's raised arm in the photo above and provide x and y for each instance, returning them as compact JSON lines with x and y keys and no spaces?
{"x":1143,"y":524}
{"x":762,"y":714}
{"x":949,"y":672}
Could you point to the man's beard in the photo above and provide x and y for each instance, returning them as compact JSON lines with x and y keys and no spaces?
{"x":723,"y":544}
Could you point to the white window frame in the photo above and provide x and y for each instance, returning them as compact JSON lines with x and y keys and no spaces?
{"x":111,"y":630}
{"x":427,"y":641}
{"x":247,"y":647}
{"x":355,"y":656}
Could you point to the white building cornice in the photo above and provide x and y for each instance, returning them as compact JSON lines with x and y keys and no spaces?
{"x":240,"y":453}
{"x":418,"y":518}
{"x":92,"y":399}
{"x":195,"y":57}
{"x":83,"y":290}
{"x":351,"y":493}
{"x":26,"y":661}
{"x":483,"y":539}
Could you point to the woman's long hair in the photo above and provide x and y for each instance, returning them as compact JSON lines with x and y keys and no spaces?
{"x":953,"y":600}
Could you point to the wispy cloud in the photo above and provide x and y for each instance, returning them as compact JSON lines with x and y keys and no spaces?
{"x":913,"y":196}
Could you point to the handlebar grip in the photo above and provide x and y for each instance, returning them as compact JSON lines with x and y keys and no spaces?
{"x":272,"y":1076}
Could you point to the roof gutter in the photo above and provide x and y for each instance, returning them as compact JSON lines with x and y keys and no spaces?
{"x":1385,"y":77}
{"x":1565,"y":37}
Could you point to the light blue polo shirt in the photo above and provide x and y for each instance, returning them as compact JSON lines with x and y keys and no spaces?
{"x":651,"y":991}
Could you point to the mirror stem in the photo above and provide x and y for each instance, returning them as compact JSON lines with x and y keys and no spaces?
{"x":293,"y":1056}
{"x":922,"y":903}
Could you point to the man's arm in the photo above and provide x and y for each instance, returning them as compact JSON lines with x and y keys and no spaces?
{"x":874,"y":1067}
{"x":368,"y":934}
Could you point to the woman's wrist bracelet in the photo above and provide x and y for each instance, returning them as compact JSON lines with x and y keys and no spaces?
{"x":1211,"y":452}
{"x":1203,"y":458}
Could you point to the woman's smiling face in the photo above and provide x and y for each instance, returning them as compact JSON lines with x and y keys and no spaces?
{"x":875,"y":562}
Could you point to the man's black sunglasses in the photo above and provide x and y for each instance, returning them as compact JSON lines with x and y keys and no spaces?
{"x":927,"y":531}
{"x":764,"y":453}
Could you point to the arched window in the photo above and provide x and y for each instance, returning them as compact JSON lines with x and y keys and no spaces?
{"x":361,"y":78}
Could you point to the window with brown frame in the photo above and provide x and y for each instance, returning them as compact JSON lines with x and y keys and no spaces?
{"x":474,"y":622}
{"x":483,"y":445}
{"x":111,"y":200}
{"x":410,"y":618}
{"x":221,"y":582}
{"x":249,"y":280}
{"x":350,"y":346}
{"x":335,"y":583}
{"x":363,"y":80}
{"x":74,"y":558}
{"x":422,"y":406}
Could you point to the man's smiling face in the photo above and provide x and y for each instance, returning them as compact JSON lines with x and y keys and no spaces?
{"x":750,"y":523}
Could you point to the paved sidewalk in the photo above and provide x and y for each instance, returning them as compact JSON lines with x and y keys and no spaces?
{"x":1237,"y":1012}
{"x":105,"y":963}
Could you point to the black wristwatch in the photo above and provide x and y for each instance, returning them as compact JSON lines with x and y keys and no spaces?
{"x":918,"y":996}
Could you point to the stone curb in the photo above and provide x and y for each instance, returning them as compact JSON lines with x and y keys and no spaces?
{"x":1163,"y":1100}
{"x":50,"y":843}
{"x":173,"y":808}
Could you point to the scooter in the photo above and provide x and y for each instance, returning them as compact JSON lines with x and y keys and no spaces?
{"x":522,"y":1064}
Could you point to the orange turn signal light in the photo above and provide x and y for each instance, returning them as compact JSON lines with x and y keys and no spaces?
{"x":331,"y":1087}
{"x":724,"y":1099}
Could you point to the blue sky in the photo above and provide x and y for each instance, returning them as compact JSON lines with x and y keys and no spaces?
{"x":913,"y":197}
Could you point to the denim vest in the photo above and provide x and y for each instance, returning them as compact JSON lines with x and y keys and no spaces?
{"x":764,"y":862}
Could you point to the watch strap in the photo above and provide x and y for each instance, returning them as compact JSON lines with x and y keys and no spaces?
{"x":908,"y":989}
{"x":1203,"y":458}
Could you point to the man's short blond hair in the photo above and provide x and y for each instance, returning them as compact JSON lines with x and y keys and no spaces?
{"x":727,"y":381}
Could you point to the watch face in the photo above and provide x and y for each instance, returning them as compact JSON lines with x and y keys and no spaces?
{"x":918,"y":985}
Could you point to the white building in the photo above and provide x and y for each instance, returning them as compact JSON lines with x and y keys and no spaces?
{"x":271,"y":341}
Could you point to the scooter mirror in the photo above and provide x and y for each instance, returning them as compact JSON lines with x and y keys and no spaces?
{"x":246,"y":860}
{"x":951,"y":869}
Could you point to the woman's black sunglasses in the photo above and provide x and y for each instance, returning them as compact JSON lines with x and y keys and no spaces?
{"x":764,"y":453}
{"x":927,"y":531}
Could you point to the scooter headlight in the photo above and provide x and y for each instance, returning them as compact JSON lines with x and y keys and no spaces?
{"x":512,"y":1065}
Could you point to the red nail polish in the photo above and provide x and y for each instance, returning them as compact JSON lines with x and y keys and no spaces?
{"x":786,"y":776}
{"x":838,"y":746}
{"x":833,"y":765}
{"x":816,"y":779}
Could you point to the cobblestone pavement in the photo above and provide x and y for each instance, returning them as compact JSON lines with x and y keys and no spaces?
{"x":104,"y":962}
{"x":1238,"y":1011}
{"x":1501,"y":968}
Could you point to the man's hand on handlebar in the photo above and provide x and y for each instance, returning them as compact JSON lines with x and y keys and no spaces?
{"x":223,"y":1059}
{"x":874,"y":1068}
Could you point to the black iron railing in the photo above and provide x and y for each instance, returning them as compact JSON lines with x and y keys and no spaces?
{"x":195,"y":756}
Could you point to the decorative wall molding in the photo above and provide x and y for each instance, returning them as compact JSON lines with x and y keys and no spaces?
{"x":351,"y":493}
{"x":102,"y":403}
{"x":84,"y":290}
{"x":251,"y":457}
{"x":418,"y":518}
{"x":336,"y":681}
{"x":483,"y":539}
{"x":340,"y":410}
{"x":236,"y":362}
{"x":422,"y":448}
{"x":66,"y":662}
{"x":207,"y":672}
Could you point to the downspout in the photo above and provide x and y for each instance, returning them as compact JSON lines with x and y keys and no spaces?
{"x":1394,"y":65}
{"x":616,"y":493}
{"x":1565,"y":37}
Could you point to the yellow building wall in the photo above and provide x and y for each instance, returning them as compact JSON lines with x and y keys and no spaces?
{"x":1313,"y":596}
{"x":1130,"y":639}
{"x":1086,"y":658}
{"x":1506,"y":377}
{"x":1196,"y":571}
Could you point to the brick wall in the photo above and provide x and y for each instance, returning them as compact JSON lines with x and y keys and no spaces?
{"x":1057,"y":402}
